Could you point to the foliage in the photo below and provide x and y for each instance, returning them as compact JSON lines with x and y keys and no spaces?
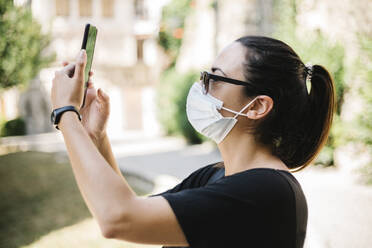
{"x":363,"y":123}
{"x":365,"y":70}
{"x":2,"y":121}
{"x":171,"y":101}
{"x":172,"y":27}
{"x":21,"y":45}
{"x":174,"y":86}
{"x":359,"y":130}
{"x":13,"y":127}
{"x":313,"y":46}
{"x":325,"y":158}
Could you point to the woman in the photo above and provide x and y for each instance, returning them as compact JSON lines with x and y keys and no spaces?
{"x":256,"y":106}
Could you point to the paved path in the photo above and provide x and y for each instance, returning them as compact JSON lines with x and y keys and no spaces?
{"x":340,"y":213}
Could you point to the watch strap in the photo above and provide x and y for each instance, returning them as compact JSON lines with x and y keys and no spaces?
{"x":57,"y":114}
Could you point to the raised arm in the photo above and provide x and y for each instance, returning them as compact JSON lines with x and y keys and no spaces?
{"x":120,"y":213}
{"x":95,"y":114}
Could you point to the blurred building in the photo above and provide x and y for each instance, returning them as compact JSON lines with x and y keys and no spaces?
{"x":126,"y":60}
{"x":213,"y":24}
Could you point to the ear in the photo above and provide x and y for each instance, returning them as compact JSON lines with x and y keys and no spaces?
{"x":260,"y":108}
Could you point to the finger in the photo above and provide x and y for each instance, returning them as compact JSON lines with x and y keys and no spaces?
{"x":80,"y":65}
{"x":91,"y":95}
{"x":102,"y":96}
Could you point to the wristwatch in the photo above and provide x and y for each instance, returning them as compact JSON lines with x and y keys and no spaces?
{"x":55,"y":117}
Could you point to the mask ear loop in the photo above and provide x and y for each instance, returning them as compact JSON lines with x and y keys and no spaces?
{"x":240,"y":112}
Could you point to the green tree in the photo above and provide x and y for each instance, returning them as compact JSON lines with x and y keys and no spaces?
{"x":21,"y":45}
{"x":172,"y":27}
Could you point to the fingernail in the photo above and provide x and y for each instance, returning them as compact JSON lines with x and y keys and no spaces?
{"x":81,"y":55}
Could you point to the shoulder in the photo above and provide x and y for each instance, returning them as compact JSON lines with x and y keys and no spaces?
{"x":208,"y":168}
{"x":261,"y":183}
{"x":259,"y":175}
{"x":195,"y":179}
{"x":201,"y":176}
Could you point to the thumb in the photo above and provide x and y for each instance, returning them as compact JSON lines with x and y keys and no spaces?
{"x":91,"y":94}
{"x":103,"y":97}
{"x":80,"y":66}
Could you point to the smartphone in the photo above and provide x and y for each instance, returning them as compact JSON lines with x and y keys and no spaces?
{"x":89,"y":42}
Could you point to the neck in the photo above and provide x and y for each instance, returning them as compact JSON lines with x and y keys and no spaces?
{"x":241,"y":152}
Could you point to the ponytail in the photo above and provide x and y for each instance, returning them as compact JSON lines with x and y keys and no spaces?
{"x":317,"y":118}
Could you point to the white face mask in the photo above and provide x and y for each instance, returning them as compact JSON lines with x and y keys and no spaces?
{"x":202,"y":113}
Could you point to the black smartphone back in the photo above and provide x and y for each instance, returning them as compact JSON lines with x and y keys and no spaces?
{"x":89,"y":42}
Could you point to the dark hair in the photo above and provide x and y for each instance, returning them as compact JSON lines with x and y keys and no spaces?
{"x":298,"y":125}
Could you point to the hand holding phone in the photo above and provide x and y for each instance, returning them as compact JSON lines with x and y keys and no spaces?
{"x":89,"y":42}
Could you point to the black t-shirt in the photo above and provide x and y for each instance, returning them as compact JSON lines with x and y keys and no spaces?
{"x":256,"y":208}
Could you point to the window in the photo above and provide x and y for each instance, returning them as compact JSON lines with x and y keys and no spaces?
{"x":62,"y":7}
{"x":85,"y":7}
{"x":140,"y":8}
{"x":108,"y":8}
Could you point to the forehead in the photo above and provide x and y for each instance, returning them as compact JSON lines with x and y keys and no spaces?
{"x":231,"y":59}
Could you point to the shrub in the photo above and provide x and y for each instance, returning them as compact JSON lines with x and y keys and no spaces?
{"x":13,"y":127}
{"x":172,"y":93}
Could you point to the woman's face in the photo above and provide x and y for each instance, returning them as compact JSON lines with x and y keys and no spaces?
{"x":229,"y":63}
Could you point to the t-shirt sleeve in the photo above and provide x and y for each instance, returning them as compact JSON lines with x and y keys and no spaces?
{"x":196,"y":179}
{"x":226,"y":211}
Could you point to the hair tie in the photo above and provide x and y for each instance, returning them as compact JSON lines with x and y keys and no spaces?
{"x":309,"y":74}
{"x":309,"y":70}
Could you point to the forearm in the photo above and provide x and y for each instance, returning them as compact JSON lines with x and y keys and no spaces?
{"x":104,"y":147}
{"x":103,"y":190}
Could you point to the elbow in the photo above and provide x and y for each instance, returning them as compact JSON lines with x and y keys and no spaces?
{"x":108,"y":233}
{"x":107,"y":228}
{"x":117,"y":229}
{"x":118,"y":223}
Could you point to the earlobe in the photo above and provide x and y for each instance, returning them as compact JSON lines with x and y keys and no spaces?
{"x":261,"y":108}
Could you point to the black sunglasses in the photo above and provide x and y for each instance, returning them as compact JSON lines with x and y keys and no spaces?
{"x":206,"y":76}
